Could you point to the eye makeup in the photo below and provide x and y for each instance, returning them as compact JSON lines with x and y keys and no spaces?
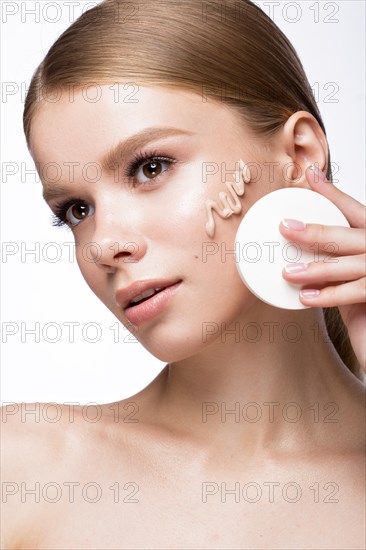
{"x":60,"y":215}
{"x":141,"y":158}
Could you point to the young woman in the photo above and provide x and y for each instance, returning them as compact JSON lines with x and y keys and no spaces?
{"x":239,"y":442}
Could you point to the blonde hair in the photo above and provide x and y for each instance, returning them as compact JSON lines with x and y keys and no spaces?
{"x":231,"y":51}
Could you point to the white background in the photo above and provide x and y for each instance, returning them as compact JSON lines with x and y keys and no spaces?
{"x":37,"y":290}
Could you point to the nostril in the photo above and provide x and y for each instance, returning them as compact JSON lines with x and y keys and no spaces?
{"x":122,"y":254}
{"x":128,"y":249}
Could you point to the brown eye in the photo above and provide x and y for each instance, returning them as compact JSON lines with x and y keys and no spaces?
{"x":152,"y":169}
{"x":78,"y":212}
{"x":146,"y":168}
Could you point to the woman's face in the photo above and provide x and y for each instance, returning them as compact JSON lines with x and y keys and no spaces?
{"x":151,"y":225}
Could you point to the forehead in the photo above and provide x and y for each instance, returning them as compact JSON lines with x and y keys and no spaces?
{"x":86,"y":122}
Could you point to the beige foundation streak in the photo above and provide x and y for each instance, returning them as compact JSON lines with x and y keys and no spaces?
{"x":228,"y":207}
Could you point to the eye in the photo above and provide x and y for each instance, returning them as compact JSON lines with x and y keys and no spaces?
{"x":72,"y":212}
{"x":152,"y":168}
{"x":144,"y":165}
{"x":78,"y":212}
{"x":147,"y":166}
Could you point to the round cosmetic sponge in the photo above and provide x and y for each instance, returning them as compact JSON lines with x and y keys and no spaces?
{"x":261,"y":252}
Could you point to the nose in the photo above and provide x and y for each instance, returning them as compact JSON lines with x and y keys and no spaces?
{"x":114,"y":242}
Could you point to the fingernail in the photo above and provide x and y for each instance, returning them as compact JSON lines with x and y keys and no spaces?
{"x":309,"y":293}
{"x":293,"y":224}
{"x":296,"y":267}
{"x":319,"y":174}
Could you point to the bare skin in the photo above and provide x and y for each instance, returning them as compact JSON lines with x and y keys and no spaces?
{"x":161,"y":487}
{"x":303,"y":456}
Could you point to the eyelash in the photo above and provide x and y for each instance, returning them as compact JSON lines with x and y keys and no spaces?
{"x":58,"y":218}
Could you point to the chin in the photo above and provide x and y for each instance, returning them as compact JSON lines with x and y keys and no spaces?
{"x":170,"y":344}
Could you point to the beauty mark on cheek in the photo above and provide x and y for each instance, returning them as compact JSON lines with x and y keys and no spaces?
{"x":229,"y":207}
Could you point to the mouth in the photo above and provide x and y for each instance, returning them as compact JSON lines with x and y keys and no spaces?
{"x":150,"y":303}
{"x":145,"y":296}
{"x":142,"y":290}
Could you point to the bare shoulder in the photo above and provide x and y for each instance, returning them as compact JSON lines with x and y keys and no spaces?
{"x":29,"y":439}
{"x":34,"y":432}
{"x":46,"y":446}
{"x":32,"y":442}
{"x":52,"y":435}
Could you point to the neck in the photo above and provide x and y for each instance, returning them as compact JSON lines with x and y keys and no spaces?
{"x":260,"y":385}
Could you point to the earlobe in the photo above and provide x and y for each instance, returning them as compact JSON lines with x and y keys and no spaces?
{"x":306,"y":144}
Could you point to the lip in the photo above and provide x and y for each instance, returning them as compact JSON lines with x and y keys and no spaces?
{"x":151,"y":307}
{"x":124,"y":296}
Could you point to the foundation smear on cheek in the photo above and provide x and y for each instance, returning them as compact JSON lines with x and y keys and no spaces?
{"x":236,"y":188}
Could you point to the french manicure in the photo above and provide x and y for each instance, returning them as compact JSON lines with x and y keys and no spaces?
{"x":296,"y":267}
{"x":293,"y":224}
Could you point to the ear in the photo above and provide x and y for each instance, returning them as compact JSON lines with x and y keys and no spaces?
{"x":303,"y":143}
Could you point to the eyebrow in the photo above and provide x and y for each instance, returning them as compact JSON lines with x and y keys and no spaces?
{"x":118,"y":154}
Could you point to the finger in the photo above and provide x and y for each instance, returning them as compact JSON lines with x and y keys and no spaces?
{"x":333,"y":239}
{"x":353,"y":292}
{"x":354,"y":210}
{"x":344,"y":268}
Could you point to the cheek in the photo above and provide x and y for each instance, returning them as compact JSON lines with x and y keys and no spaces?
{"x":187,"y":224}
{"x":214,"y":260}
{"x":183,"y":208}
{"x":184,"y":204}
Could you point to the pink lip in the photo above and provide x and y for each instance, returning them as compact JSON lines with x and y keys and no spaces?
{"x":152,"y":306}
{"x":124,"y":296}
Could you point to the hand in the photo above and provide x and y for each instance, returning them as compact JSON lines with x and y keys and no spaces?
{"x":341,"y":283}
